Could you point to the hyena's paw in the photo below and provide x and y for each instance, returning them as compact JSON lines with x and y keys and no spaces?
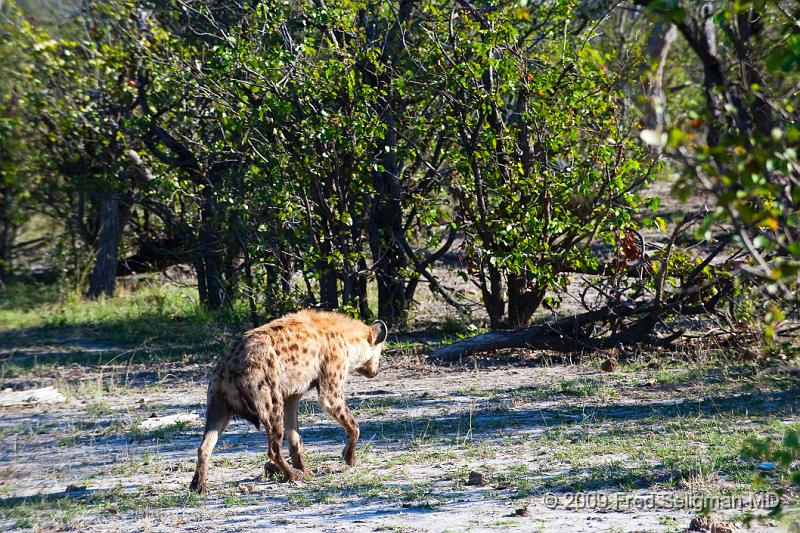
{"x":271,"y":470}
{"x":349,"y":455}
{"x":307,"y":473}
{"x":293,"y":475}
{"x":198,"y":487}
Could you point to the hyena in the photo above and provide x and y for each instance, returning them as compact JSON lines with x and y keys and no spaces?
{"x":267,"y":371}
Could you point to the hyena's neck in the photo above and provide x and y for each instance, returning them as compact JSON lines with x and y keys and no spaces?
{"x":358,"y":354}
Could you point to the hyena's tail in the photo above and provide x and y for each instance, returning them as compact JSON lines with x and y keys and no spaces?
{"x":248,"y":404}
{"x":240,"y":400}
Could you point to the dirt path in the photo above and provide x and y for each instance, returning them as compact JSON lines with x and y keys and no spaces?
{"x":533,"y":433}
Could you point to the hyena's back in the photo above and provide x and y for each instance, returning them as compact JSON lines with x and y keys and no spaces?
{"x":287,"y":356}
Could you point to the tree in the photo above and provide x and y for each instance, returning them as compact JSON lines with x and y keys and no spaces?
{"x":750,"y":56}
{"x":79,"y":93}
{"x":12,"y":152}
{"x":543,"y":167}
{"x":332,"y":160}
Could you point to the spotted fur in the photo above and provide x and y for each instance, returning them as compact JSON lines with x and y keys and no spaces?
{"x":268,"y":369}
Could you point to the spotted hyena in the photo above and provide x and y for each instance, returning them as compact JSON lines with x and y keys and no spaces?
{"x":269,"y":369}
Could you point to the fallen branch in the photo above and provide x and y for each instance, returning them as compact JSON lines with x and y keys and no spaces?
{"x":564,"y":335}
{"x":149,"y":424}
{"x":11,"y":398}
{"x":153,"y":256}
{"x":636,"y":322}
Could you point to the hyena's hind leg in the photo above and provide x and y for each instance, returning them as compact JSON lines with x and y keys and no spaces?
{"x":218,"y":415}
{"x":332,"y":400}
{"x":293,"y":437}
{"x":290,"y":414}
{"x":271,"y":416}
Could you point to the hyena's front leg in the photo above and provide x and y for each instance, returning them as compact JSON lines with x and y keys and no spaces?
{"x":332,"y":400}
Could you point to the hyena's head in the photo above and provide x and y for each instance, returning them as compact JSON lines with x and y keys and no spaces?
{"x":375,"y":339}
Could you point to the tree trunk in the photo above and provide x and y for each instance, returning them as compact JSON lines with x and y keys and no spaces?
{"x":326,"y":268}
{"x":200,"y":274}
{"x":248,"y":278}
{"x":658,"y":46}
{"x":702,"y":37}
{"x":386,"y":216}
{"x":217,"y":247}
{"x":522,"y":303}
{"x":361,"y":290}
{"x":113,"y":215}
{"x":212,"y":267}
{"x":328,"y":290}
{"x":569,"y":334}
{"x":6,"y":232}
{"x":385,"y":225}
{"x":211,"y":253}
{"x":492,"y":293}
{"x":748,"y":26}
{"x":700,"y":32}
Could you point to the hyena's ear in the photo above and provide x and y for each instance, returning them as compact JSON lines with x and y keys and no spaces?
{"x":379,"y":332}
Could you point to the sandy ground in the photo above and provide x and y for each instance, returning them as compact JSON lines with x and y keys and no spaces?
{"x":424,"y":429}
{"x":558,"y":445}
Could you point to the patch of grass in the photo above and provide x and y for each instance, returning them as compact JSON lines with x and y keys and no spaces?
{"x":40,"y":511}
{"x":170,"y":431}
{"x":325,"y":497}
{"x":114,"y":426}
{"x":677,"y":376}
{"x":584,"y":388}
{"x":775,"y":379}
{"x":505,"y":522}
{"x":480,"y":393}
{"x":520,"y":478}
{"x":658,"y":451}
{"x":167,"y":501}
{"x":432,"y":456}
{"x":23,"y":523}
{"x":99,"y":408}
{"x":153,"y":315}
{"x":482,"y":450}
{"x":228,"y":462}
{"x":117,"y":500}
{"x":17,"y":299}
{"x":345,"y":486}
{"x":455,"y":326}
{"x":298,"y":499}
{"x":669,"y":524}
{"x":90,"y":388}
{"x":378,"y":406}
{"x":146,"y":463}
{"x":233,"y":500}
{"x":416,"y":491}
{"x":396,"y":345}
{"x":68,"y":440}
